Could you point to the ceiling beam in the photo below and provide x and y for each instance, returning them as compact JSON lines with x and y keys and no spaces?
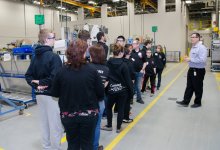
{"x":71,"y":2}
{"x":90,"y":8}
{"x":144,"y":3}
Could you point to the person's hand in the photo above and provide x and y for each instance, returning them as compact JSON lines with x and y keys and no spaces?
{"x":35,"y":81}
{"x":40,"y":88}
{"x":142,"y":71}
{"x":186,"y":59}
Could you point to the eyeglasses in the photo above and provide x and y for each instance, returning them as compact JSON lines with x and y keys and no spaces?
{"x":51,"y":37}
{"x":194,"y":37}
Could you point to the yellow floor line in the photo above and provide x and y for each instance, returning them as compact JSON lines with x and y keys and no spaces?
{"x":217,"y":77}
{"x":140,"y":115}
{"x":63,"y":140}
{"x":1,"y":148}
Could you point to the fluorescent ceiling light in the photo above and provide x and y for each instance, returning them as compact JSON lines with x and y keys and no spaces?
{"x":115,"y":0}
{"x":36,"y":2}
{"x":59,"y":7}
{"x":188,"y":1}
{"x":109,"y":7}
{"x":92,"y":2}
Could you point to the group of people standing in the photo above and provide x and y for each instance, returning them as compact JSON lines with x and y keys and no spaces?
{"x":88,"y":85}
{"x":147,"y":65}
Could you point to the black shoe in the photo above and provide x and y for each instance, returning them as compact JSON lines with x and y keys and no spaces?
{"x":118,"y":130}
{"x":100,"y":147}
{"x":195,"y":105}
{"x":182,"y":103}
{"x":140,"y":101}
{"x":106,"y":128}
{"x":158,"y":88}
{"x":127,"y":120}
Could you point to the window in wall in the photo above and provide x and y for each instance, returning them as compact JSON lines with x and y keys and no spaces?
{"x":170,"y":5}
{"x":117,"y":8}
{"x":145,"y":6}
{"x":89,"y":14}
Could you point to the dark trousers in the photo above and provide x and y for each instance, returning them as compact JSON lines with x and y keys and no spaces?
{"x":80,"y":131}
{"x":127,"y":107}
{"x":159,"y":73}
{"x":152,"y":82}
{"x":118,"y":99}
{"x":116,"y":108}
{"x":195,"y":79}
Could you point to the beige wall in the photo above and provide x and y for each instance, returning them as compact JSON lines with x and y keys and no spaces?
{"x":17,"y":21}
{"x":171,"y":26}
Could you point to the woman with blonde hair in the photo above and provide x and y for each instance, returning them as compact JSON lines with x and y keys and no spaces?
{"x":160,"y":62}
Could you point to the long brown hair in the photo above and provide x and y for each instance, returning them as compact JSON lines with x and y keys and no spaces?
{"x":75,"y":54}
{"x":97,"y":54}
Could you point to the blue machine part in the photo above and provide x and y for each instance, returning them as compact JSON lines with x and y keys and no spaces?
{"x":14,"y":107}
{"x":130,"y":40}
{"x":25,"y":49}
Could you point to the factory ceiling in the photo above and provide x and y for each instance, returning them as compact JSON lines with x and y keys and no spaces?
{"x":201,"y":9}
{"x":197,"y":8}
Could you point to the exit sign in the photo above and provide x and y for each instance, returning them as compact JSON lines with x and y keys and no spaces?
{"x":39,"y":19}
{"x":154,"y":28}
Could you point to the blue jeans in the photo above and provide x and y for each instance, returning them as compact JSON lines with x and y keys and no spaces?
{"x":137,"y":84}
{"x":97,"y":129}
{"x":104,"y":112}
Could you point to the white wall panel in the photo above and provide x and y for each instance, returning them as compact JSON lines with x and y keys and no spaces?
{"x":171,"y":25}
{"x":12,"y":23}
{"x":31,"y":28}
{"x":17,"y":21}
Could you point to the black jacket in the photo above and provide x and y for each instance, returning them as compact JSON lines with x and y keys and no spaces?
{"x":119,"y":70}
{"x":105,"y":48}
{"x":149,"y":70}
{"x":130,"y":68}
{"x":144,"y":50}
{"x":102,"y":71}
{"x":78,"y":90}
{"x":137,"y":60}
{"x":43,"y":67}
{"x":160,"y":60}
